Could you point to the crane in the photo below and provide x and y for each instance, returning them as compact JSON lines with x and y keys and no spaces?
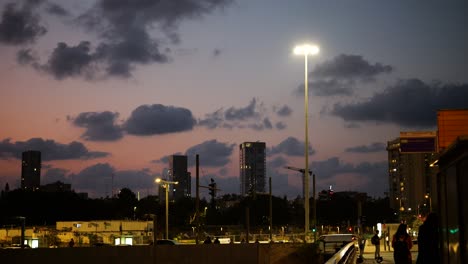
{"x":301,"y":171}
{"x":297,"y":169}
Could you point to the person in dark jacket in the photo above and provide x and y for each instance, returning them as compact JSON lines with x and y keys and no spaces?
{"x":402,"y":244}
{"x":428,"y":241}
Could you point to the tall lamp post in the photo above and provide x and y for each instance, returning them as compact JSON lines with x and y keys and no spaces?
{"x":166,"y":185}
{"x":306,"y":50}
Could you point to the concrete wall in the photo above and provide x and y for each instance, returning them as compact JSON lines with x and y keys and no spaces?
{"x":189,"y":254}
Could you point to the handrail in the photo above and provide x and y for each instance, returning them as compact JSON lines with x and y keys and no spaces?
{"x":345,"y":254}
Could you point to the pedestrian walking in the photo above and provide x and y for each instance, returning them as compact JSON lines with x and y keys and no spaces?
{"x":71,"y":243}
{"x":207,"y":240}
{"x":428,"y":241}
{"x":387,"y":241}
{"x":402,"y":244}
{"x":375,"y":240}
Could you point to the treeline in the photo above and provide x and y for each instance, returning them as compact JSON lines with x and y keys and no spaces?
{"x":46,"y":208}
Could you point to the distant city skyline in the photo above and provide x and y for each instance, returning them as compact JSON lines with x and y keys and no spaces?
{"x":108,"y":90}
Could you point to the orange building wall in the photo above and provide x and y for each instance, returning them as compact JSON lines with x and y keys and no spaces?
{"x":451,"y":124}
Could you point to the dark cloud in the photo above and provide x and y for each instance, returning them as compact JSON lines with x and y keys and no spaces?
{"x":68,"y":61}
{"x":330,"y":87}
{"x":253,"y":116}
{"x":50,"y":149}
{"x":374,"y":147}
{"x":242,"y":113}
{"x":97,"y":180}
{"x":100,"y":126}
{"x":55,"y":9}
{"x":283,"y":111}
{"x":280,"y":125}
{"x":212,"y":153}
{"x":27,"y":57}
{"x":124,"y":26}
{"x":291,"y":147}
{"x":350,"y":67}
{"x":134,"y":179}
{"x":340,"y":75}
{"x":20,"y":25}
{"x":409,"y":103}
{"x":120,"y":57}
{"x":266,"y":124}
{"x":55,"y":174}
{"x":159,"y":119}
{"x":212,"y":120}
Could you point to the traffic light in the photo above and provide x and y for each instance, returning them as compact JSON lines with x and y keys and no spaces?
{"x":212,"y":188}
{"x":314,"y":229}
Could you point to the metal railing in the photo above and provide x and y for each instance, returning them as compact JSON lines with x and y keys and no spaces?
{"x":346,"y":254}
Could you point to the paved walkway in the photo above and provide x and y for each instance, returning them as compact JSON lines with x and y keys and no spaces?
{"x":387,"y":256}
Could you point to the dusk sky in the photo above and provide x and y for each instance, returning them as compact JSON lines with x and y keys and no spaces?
{"x":113,"y":87}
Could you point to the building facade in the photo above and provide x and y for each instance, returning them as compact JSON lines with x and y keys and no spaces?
{"x":252,"y":159}
{"x":179,"y":173}
{"x":453,"y":198}
{"x":31,"y":170}
{"x":451,"y":123}
{"x":410,"y":172}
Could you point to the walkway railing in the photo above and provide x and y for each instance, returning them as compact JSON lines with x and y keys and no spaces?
{"x":345,"y":255}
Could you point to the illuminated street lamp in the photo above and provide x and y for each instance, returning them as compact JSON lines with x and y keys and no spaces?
{"x":427,"y":196}
{"x":307,"y":50}
{"x":166,"y":185}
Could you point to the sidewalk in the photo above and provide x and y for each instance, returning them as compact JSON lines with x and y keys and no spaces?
{"x":387,"y":256}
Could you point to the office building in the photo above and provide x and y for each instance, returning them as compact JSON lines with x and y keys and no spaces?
{"x":31,"y":170}
{"x":178,"y":172}
{"x":252,"y":156}
{"x":410,"y":174}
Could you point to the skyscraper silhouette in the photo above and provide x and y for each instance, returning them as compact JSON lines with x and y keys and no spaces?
{"x":31,"y":170}
{"x":252,"y":167}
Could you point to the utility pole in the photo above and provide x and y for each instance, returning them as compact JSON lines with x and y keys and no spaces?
{"x":197,"y":199}
{"x":271,"y":213}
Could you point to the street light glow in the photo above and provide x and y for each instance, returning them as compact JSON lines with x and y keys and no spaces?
{"x":306,"y":49}
{"x":158,"y":180}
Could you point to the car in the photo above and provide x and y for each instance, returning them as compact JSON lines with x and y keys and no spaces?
{"x":166,"y":242}
{"x":17,"y":246}
{"x":330,"y":244}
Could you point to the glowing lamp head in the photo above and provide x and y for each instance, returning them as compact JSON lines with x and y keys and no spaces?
{"x":158,"y":180}
{"x":306,"y":50}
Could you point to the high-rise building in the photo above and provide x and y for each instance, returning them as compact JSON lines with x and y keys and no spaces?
{"x":410,"y":172}
{"x":31,"y":170}
{"x":252,"y":157}
{"x":178,"y":172}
